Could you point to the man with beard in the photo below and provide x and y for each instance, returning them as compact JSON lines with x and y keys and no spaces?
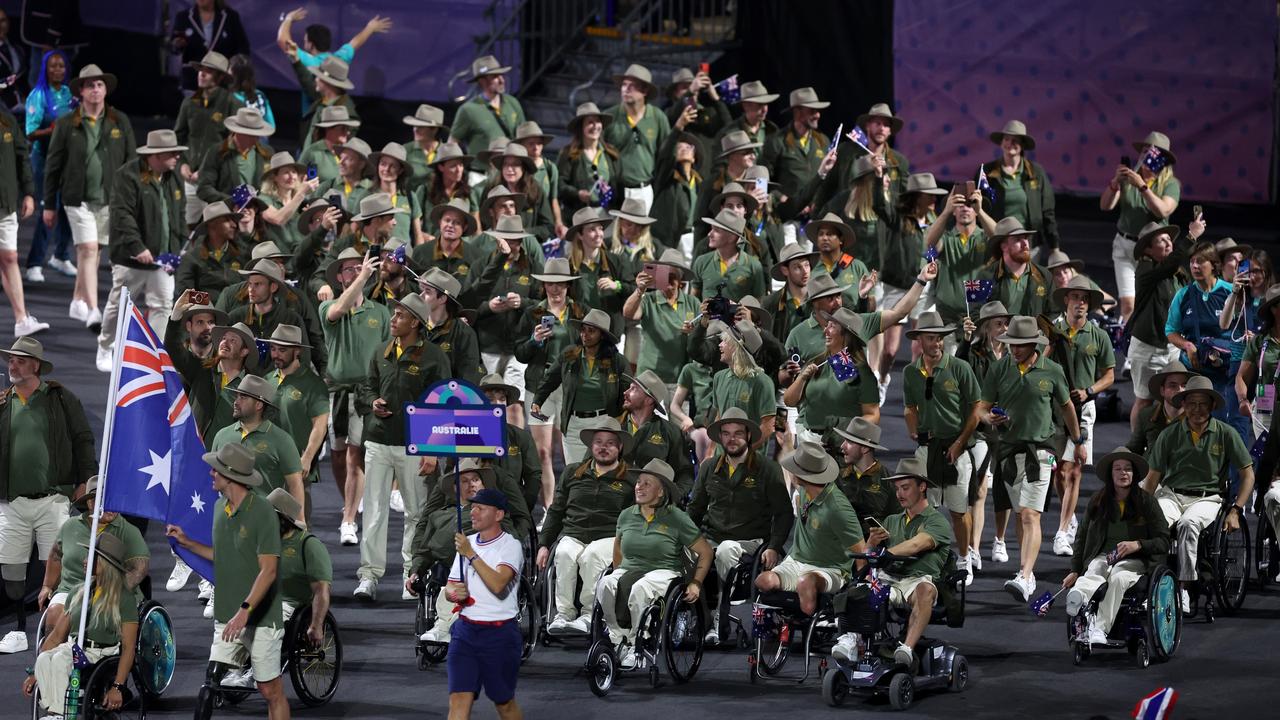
{"x":275,"y":456}
{"x":214,"y":261}
{"x":303,"y":402}
{"x":393,"y":277}
{"x":655,"y":437}
{"x":264,"y":312}
{"x":1021,"y":285}
{"x":1030,"y":389}
{"x":862,"y":477}
{"x":491,"y":114}
{"x":456,"y":338}
{"x":353,"y":183}
{"x":637,"y":131}
{"x":147,"y":214}
{"x":217,"y":357}
{"x":879,"y":123}
{"x":754,"y":99}
{"x":354,"y":329}
{"x":962,"y":250}
{"x":1084,"y":351}
{"x":740,"y":501}
{"x":793,"y":156}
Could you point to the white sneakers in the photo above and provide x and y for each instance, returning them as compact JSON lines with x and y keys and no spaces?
{"x":367,"y":591}
{"x":35,"y":274}
{"x":397,"y":501}
{"x":904,"y":655}
{"x":626,"y":656}
{"x":434,"y":636}
{"x":14,"y":641}
{"x":558,"y":624}
{"x":562,"y":625}
{"x":64,"y":267}
{"x":1071,"y":530}
{"x":204,"y":590}
{"x":1092,"y":633}
{"x":94,"y":320}
{"x":582,"y":625}
{"x":79,"y":310}
{"x":848,"y":647}
{"x":1061,"y":544}
{"x":103,"y":359}
{"x":28,"y":326}
{"x":975,"y":559}
{"x":1184,"y":599}
{"x":998,"y":551}
{"x":347,"y":534}
{"x":178,"y":578}
{"x":239,"y":678}
{"x":1020,"y":587}
{"x":884,"y":387}
{"x":967,"y":568}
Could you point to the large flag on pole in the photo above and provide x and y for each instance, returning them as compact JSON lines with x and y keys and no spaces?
{"x":153,"y":466}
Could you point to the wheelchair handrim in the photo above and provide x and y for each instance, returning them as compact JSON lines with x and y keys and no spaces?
{"x":157,"y":653}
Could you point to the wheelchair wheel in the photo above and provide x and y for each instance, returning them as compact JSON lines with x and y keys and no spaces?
{"x":1163,"y":623}
{"x":959,"y":674}
{"x":314,"y":670}
{"x":773,"y":647}
{"x":204,"y":703}
{"x":1266,"y":553}
{"x":429,"y":653}
{"x":835,"y":687}
{"x":1232,"y":566}
{"x":1142,"y":654}
{"x":528,"y":617}
{"x":157,"y":653}
{"x":95,"y":692}
{"x":902,"y":690}
{"x":602,"y":668}
{"x":682,"y":635}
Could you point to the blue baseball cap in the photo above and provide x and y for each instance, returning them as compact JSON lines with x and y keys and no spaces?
{"x":490,"y":497}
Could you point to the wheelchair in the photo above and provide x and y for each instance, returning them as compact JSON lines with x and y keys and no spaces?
{"x":429,"y":589}
{"x":313,"y":670}
{"x":545,"y":585}
{"x":669,"y":629}
{"x":1224,"y":561}
{"x":1266,"y":553}
{"x":737,"y":587}
{"x":879,"y":629}
{"x":1148,"y":624}
{"x":151,"y":675}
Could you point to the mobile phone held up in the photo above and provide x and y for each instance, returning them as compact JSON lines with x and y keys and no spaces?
{"x":312,"y":173}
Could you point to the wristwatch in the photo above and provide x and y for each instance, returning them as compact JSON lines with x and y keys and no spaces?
{"x":117,"y":686}
{"x":245,"y":605}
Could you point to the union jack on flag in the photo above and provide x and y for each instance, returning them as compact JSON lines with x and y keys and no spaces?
{"x":879,"y":591}
{"x":241,"y":196}
{"x":984,"y":185}
{"x":859,"y":137}
{"x":604,"y":193}
{"x":978,"y":291}
{"x":1155,"y":159}
{"x":728,"y":90}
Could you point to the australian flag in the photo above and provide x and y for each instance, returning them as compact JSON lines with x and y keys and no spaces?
{"x":1040,"y":606}
{"x":241,"y":196}
{"x":843,"y":366}
{"x":1156,"y":706}
{"x":984,"y":186}
{"x":879,"y":591}
{"x":728,"y":90}
{"x":859,"y":137}
{"x":1155,"y":159}
{"x":603,"y":193}
{"x":154,"y":467}
{"x":978,"y":291}
{"x":552,"y":248}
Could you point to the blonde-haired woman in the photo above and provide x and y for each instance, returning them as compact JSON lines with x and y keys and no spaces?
{"x":284,"y":188}
{"x":742,"y":383}
{"x":1144,"y":195}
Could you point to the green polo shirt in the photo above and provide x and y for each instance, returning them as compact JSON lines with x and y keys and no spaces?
{"x":303,"y":560}
{"x":1134,"y":214}
{"x":943,"y":406}
{"x":238,"y":539}
{"x":1032,"y":399}
{"x":697,"y":378}
{"x":75,"y":532}
{"x":656,"y":544}
{"x":246,"y":167}
{"x":662,"y":323}
{"x":755,"y":395}
{"x":1023,"y":295}
{"x":744,"y":276}
{"x":637,"y":146}
{"x":1265,"y":364}
{"x":354,"y":339}
{"x":847,"y":273}
{"x":100,"y":628}
{"x":1188,"y":464}
{"x":590,"y":395}
{"x":1089,"y":352}
{"x":327,"y":163}
{"x":275,"y":454}
{"x":1015,"y":196}
{"x":93,"y":170}
{"x":930,"y":522}
{"x":827,"y":531}
{"x":961,"y":258}
{"x":28,"y":443}
{"x":302,"y":397}
{"x":826,"y":399}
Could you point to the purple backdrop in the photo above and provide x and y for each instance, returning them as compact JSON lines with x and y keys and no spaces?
{"x":1089,"y":77}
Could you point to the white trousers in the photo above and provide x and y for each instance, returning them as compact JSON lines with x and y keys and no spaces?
{"x":1119,"y":578}
{"x":382,"y":465}
{"x":1188,"y":516}
{"x":577,"y":560}
{"x":645,"y":590}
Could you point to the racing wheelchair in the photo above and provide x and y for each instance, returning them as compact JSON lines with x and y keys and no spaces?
{"x":669,"y":629}
{"x":313,"y":669}
{"x":1224,"y":562}
{"x":150,"y":676}
{"x":428,"y":590}
{"x":871,"y":670}
{"x":1148,"y":624}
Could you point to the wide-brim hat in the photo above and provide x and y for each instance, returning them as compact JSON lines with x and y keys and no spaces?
{"x":1058,"y":259}
{"x":663,"y":473}
{"x":487,"y":65}
{"x":674,"y":259}
{"x":496,"y":147}
{"x":1023,"y":330}
{"x":1149,"y":233}
{"x":737,"y":141}
{"x":599,"y":320}
{"x":807,"y":97}
{"x":109,"y":549}
{"x":416,"y":306}
{"x":393,"y":150}
{"x":735,"y":416}
{"x":81,"y":501}
{"x":652,"y":386}
{"x":640,"y":74}
{"x":377,"y":205}
{"x":882,"y":111}
{"x":234,"y":462}
{"x":992,"y":310}
{"x":1006,"y":228}
{"x":755,"y":92}
{"x":214,"y":61}
{"x":269,"y":269}
{"x":426,"y":116}
{"x":287,"y":336}
{"x":286,"y":507}
{"x":246,"y":336}
{"x":1224,"y":247}
{"x":1173,"y":368}
{"x":517,"y":151}
{"x":863,"y":166}
{"x":1103,"y":465}
{"x":811,"y":464}
{"x":441,"y":281}
{"x":789,"y":253}
{"x":530,"y":130}
{"x":498,"y":193}
{"x":1157,"y":140}
{"x":1018,"y":130}
{"x":863,"y":432}
{"x":923,"y":183}
{"x":846,"y":319}
{"x":280,"y":161}
{"x":734,"y":189}
{"x":633,"y":209}
{"x":219,"y":317}
{"x":728,"y":221}
{"x":29,"y":347}
{"x":930,"y":322}
{"x":474,"y":465}
{"x":493,"y":381}
{"x":683,"y":75}
{"x":1269,"y":299}
{"x":830,"y":221}
{"x":584,"y":111}
{"x":249,"y":121}
{"x":461,"y":206}
{"x":334,"y":71}
{"x":510,"y":228}
{"x":759,"y":315}
{"x":257,"y":388}
{"x":161,"y":141}
{"x":821,"y":285}
{"x":1200,"y":384}
{"x":316,"y":207}
{"x":1081,"y":283}
{"x":336,"y":115}
{"x":910,"y":467}
{"x":556,"y":270}
{"x":333,"y":269}
{"x":607,"y":424}
{"x":93,"y":72}
{"x":584,"y":217}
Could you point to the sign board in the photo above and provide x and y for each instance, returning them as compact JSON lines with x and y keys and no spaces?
{"x":454,"y":419}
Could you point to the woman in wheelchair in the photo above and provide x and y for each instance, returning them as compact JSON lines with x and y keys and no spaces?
{"x":306,"y":571}
{"x":1125,"y":535}
{"x":922,"y":534}
{"x":111,"y":629}
{"x":648,"y":554}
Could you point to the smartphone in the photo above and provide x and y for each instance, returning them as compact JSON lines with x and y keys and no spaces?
{"x":199,"y":297}
{"x":1244,"y":268}
{"x":539,"y":416}
{"x":1126,"y":161}
{"x":704,"y":68}
{"x":690,"y":100}
{"x":969,"y":187}
{"x":762,"y":185}
{"x":876,"y":522}
{"x":375,"y":251}
{"x":312,"y":173}
{"x":547,"y":321}
{"x":1196,"y":211}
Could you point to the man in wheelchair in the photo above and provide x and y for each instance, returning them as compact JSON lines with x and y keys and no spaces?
{"x":922,"y":533}
{"x":306,"y":571}
{"x":1189,"y":465}
{"x":739,"y":500}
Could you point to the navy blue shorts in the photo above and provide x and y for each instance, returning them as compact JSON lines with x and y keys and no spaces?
{"x":485,"y":656}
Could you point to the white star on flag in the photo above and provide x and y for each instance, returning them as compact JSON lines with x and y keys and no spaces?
{"x":159,"y":470}
{"x":196,"y":502}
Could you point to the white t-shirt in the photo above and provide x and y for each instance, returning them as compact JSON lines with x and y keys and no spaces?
{"x":502,"y":550}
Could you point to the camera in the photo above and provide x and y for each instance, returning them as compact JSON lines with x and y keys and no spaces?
{"x":720,"y":307}
{"x":794,"y":354}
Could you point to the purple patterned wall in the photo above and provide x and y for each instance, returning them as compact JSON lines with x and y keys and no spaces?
{"x":1089,"y":77}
